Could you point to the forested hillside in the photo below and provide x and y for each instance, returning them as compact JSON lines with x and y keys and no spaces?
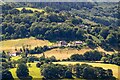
{"x":60,"y":40}
{"x":94,"y":23}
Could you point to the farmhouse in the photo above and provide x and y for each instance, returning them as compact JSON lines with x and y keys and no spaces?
{"x":76,"y":43}
{"x":81,"y":26}
{"x":12,"y":54}
{"x":15,"y":53}
{"x":62,"y":43}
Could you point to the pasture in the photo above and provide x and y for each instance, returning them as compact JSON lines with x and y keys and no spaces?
{"x":28,"y":8}
{"x":10,"y":45}
{"x":67,"y":52}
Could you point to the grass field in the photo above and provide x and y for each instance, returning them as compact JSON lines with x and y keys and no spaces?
{"x":33,"y":9}
{"x":15,"y":58}
{"x":67,"y":52}
{"x":33,"y":71}
{"x":10,"y":45}
{"x":114,"y":68}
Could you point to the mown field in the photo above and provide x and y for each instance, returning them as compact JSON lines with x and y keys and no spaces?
{"x":10,"y":45}
{"x":35,"y":72}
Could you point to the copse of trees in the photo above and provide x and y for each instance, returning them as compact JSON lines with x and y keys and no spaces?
{"x":48,"y":59}
{"x":22,"y":71}
{"x":77,"y":57}
{"x":57,"y":71}
{"x":38,"y":50}
{"x":6,"y":74}
{"x":88,"y":56}
{"x":54,"y":71}
{"x":112,"y":59}
{"x":32,"y":59}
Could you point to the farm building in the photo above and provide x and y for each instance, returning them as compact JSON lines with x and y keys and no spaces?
{"x":76,"y":43}
{"x":12,"y":54}
{"x":62,"y":43}
{"x":15,"y":53}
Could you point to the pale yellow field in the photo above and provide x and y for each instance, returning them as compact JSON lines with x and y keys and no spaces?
{"x":10,"y":45}
{"x":67,"y":52}
{"x":33,"y":9}
{"x":115,"y":68}
{"x":33,"y":71}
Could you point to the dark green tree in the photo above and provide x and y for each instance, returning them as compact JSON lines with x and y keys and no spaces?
{"x":22,"y":71}
{"x":6,"y":75}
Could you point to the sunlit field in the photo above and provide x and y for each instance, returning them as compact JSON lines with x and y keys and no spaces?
{"x":33,"y":9}
{"x":67,"y":52}
{"x":10,"y":45}
{"x":33,"y":71}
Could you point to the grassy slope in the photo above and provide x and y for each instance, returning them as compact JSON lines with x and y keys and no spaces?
{"x":115,"y":68}
{"x":67,"y":52}
{"x":33,"y":9}
{"x":62,"y":53}
{"x":10,"y":45}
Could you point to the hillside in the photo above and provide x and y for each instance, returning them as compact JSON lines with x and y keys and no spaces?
{"x":68,"y":22}
{"x":41,"y":39}
{"x":67,"y":52}
{"x":10,"y":45}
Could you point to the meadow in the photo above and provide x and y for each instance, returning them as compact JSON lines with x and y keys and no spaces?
{"x":28,"y":8}
{"x":10,"y":45}
{"x":67,"y":52}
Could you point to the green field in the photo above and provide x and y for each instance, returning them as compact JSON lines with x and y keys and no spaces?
{"x":33,"y":71}
{"x":15,"y":58}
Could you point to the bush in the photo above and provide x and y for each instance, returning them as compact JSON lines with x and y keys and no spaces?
{"x":39,"y":64}
{"x":53,"y":71}
{"x":93,"y":55}
{"x":77,"y":57}
{"x":2,"y":60}
{"x":32,"y":59}
{"x":87,"y":56}
{"x":52,"y":59}
{"x":91,"y":44}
